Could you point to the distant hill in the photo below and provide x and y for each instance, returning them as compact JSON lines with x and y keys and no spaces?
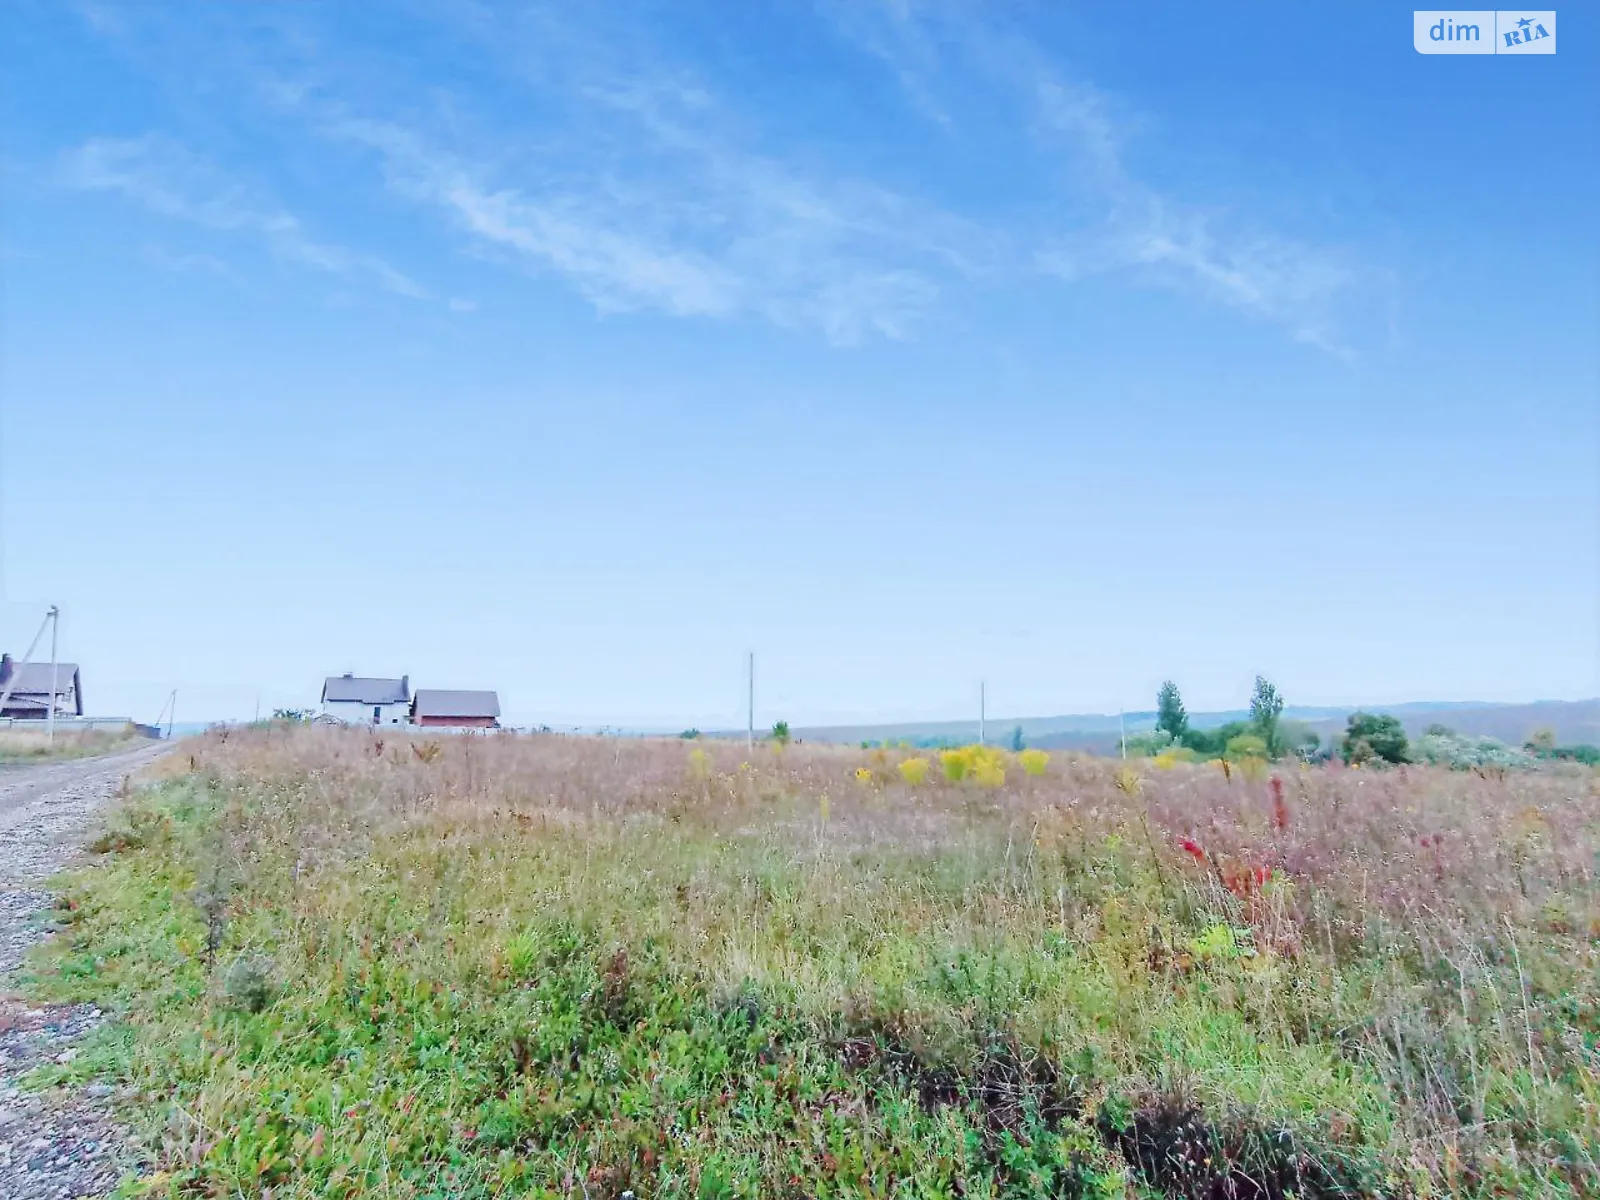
{"x":1572,"y":721}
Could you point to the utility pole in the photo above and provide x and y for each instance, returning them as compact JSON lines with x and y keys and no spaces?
{"x":50,"y":704}
{"x":983,"y":703}
{"x":750,"y":728}
{"x":1122,"y":730}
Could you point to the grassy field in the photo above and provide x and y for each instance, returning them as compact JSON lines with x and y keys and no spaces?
{"x":29,"y":746}
{"x":506,"y":966}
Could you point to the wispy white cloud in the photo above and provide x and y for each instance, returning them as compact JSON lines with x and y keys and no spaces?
{"x":692,"y":224}
{"x":162,"y":176}
{"x":1122,"y":223}
{"x":888,"y":32}
{"x":642,"y":188}
{"x":1179,"y":245}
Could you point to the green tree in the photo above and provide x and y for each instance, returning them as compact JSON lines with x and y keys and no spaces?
{"x":1018,"y":742}
{"x":1266,"y":707}
{"x":780,"y":732}
{"x":689,"y":734}
{"x":1375,"y":735}
{"x":1170,"y":716}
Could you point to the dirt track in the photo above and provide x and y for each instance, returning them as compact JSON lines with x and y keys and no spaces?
{"x":23,"y":787}
{"x":58,"y":1143}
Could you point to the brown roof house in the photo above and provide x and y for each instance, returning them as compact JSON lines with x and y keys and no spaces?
{"x":464,"y":710}
{"x":33,"y":691}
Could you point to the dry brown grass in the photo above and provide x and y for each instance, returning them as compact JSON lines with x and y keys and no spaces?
{"x":18,"y":745}
{"x":1395,"y":969}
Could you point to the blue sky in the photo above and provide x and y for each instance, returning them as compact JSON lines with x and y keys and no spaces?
{"x":575,"y":350}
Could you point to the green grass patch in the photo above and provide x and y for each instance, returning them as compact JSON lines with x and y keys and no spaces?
{"x":393,"y":993}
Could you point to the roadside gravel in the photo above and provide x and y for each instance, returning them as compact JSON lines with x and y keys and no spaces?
{"x":60,"y":1143}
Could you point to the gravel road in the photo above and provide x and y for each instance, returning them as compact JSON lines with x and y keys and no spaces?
{"x":55,"y":1144}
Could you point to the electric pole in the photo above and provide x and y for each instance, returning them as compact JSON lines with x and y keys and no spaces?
{"x":983,"y":702}
{"x":750,"y":727}
{"x":1122,"y":731}
{"x":50,"y":705}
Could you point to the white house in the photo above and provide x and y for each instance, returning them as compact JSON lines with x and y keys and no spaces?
{"x":356,"y":700}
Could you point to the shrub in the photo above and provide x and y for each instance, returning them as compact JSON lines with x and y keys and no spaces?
{"x":988,"y":767}
{"x":1450,"y":749}
{"x":1375,"y":735}
{"x":1212,"y":743}
{"x":1246,"y":745}
{"x":1144,"y":745}
{"x":247,"y":983}
{"x":956,"y":763}
{"x":1034,"y":762}
{"x":914,"y":771}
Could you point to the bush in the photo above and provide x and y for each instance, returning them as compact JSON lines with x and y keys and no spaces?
{"x":1212,"y":743}
{"x":1375,"y":735}
{"x":1033,"y":762}
{"x":914,"y":771}
{"x":1144,"y":745}
{"x":1450,"y":749}
{"x":1168,"y":759}
{"x":1246,"y":745}
{"x":247,"y":984}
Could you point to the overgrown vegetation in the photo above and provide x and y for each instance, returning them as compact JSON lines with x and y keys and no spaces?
{"x":569,"y":967}
{"x":23,"y":746}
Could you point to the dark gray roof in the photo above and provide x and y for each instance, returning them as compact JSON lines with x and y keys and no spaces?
{"x":362,"y":690}
{"x":33,"y":679}
{"x":444,"y":702}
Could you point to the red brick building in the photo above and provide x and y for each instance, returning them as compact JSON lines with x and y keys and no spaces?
{"x":461,"y":709}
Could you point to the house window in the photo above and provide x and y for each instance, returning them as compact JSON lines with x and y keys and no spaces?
{"x":377,"y":715}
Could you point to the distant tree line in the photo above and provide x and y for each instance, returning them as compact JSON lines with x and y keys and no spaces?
{"x":1367,"y":738}
{"x":1264,"y":734}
